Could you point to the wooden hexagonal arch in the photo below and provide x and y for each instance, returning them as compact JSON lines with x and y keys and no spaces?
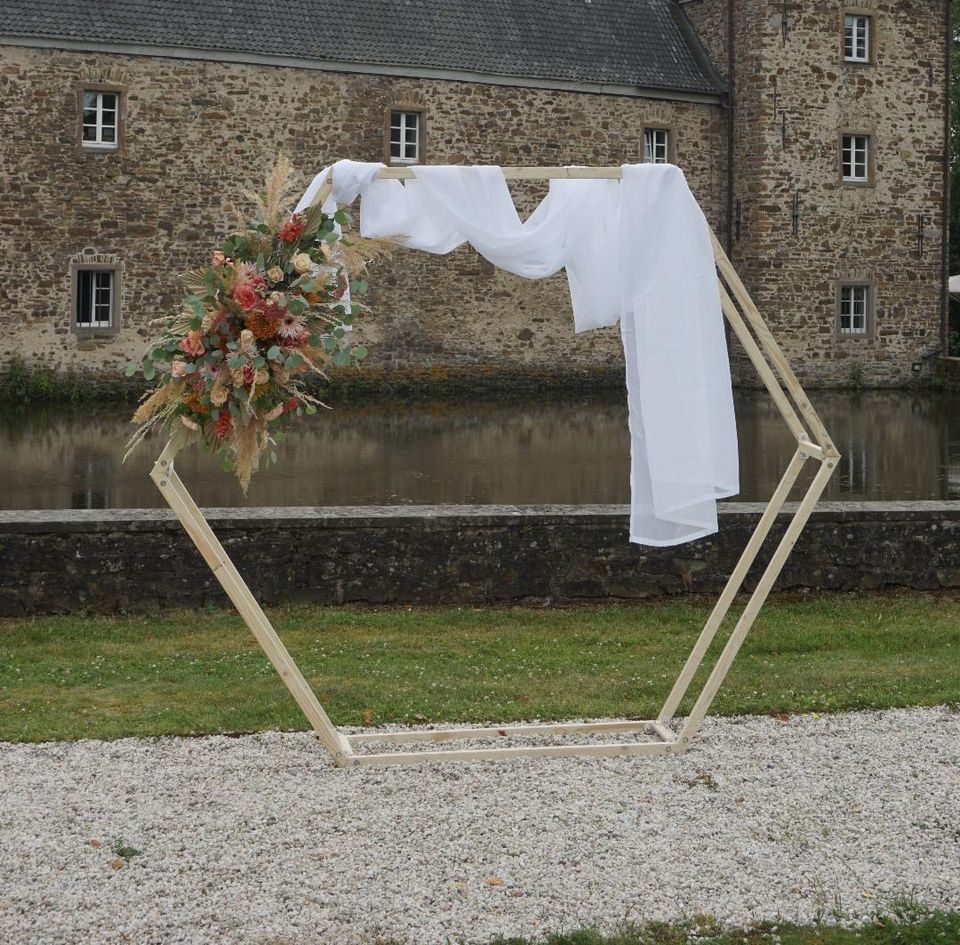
{"x":663,"y":735}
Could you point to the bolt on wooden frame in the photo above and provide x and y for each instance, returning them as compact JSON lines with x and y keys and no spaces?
{"x":663,"y":734}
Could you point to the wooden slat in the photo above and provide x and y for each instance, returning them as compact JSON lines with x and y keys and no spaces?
{"x":771,"y":348}
{"x":179,"y":499}
{"x":732,"y":588}
{"x":502,"y":731}
{"x":524,"y":173}
{"x":757,"y":599}
{"x":499,"y":754}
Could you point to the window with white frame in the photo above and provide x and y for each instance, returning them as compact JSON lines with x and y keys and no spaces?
{"x":856,"y":157}
{"x":656,"y":146}
{"x":94,"y":304}
{"x":101,"y":119}
{"x":405,"y":137}
{"x":856,"y":38}
{"x":854,"y":301}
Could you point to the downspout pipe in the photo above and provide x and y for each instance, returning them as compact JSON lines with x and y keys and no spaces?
{"x":945,"y":242}
{"x":731,"y":112}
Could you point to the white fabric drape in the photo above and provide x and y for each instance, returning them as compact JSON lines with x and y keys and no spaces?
{"x":636,"y":251}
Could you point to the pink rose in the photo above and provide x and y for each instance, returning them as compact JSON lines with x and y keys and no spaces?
{"x":218,"y":258}
{"x":178,"y":369}
{"x":246,"y":297}
{"x":192,"y":345}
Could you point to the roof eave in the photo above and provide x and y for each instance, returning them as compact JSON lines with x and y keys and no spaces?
{"x":323,"y":65}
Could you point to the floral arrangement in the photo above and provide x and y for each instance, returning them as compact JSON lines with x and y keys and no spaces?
{"x":275,"y":304}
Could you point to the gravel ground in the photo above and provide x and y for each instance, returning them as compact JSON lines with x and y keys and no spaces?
{"x":259,"y":840}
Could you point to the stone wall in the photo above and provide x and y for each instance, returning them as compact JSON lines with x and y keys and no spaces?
{"x":142,"y":560}
{"x":198,"y":134}
{"x":845,"y":231}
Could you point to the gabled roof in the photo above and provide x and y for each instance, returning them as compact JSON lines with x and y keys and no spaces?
{"x":639,"y":44}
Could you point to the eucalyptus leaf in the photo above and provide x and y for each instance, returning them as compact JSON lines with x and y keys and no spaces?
{"x":149,"y":371}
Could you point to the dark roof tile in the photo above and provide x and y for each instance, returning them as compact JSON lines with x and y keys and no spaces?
{"x":643,"y":44}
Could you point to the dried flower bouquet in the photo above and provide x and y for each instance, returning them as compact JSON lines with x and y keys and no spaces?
{"x":275,"y":303}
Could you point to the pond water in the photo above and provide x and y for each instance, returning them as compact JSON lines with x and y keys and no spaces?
{"x":895,"y":445}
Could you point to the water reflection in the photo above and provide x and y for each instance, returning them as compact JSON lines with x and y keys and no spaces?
{"x":895,"y":445}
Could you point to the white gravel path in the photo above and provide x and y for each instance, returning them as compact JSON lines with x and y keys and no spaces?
{"x":259,"y":840}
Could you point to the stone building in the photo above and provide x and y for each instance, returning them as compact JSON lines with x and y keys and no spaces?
{"x":813,"y":135}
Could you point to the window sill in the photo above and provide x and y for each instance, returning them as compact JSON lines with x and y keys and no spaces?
{"x":94,"y":333}
{"x":92,"y":146}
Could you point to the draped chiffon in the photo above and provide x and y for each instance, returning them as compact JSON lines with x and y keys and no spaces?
{"x":636,"y":251}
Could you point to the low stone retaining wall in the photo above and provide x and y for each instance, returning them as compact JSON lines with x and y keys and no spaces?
{"x":61,"y":561}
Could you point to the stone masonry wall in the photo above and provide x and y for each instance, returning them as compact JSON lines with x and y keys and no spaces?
{"x":198,"y":134}
{"x":55,"y":562}
{"x":846,"y":232}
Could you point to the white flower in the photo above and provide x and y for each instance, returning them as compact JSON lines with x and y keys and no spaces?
{"x":291,"y":327}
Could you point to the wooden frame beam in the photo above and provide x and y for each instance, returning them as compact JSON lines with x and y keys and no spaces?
{"x":660,"y":735}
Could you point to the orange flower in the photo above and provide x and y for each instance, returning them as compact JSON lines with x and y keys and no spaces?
{"x":291,"y":230}
{"x":223,"y":425}
{"x":263,"y":324}
{"x":193,"y":402}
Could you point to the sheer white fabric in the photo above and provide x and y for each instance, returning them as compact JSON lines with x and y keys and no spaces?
{"x":636,"y":251}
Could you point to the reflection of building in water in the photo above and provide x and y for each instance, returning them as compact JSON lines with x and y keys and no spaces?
{"x":92,"y":471}
{"x":951,"y":456}
{"x":852,"y":473}
{"x":892,"y":444}
{"x":895,"y":445}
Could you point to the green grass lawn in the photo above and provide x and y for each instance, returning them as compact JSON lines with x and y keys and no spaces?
{"x":191,"y":672}
{"x":915,"y":927}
